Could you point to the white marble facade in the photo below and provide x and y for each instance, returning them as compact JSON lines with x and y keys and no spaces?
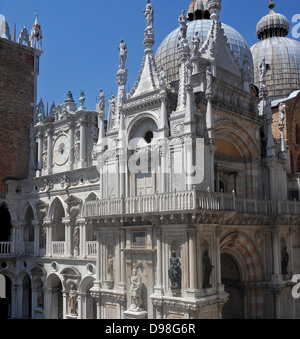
{"x":172,"y":174}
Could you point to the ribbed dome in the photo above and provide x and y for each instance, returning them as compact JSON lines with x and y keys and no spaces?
{"x":273,"y":24}
{"x":167,"y":53}
{"x":198,"y":10}
{"x":283,"y":56}
{"x":281,"y":53}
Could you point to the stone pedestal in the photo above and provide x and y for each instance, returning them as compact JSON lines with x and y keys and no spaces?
{"x":71,"y":316}
{"x":140,"y":314}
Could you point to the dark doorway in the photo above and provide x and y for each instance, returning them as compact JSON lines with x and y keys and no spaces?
{"x":234,"y":308}
{"x":5,"y":303}
{"x":27,"y":297}
{"x":5,"y":224}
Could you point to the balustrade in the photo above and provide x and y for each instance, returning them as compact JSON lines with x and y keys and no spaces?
{"x":188,"y":201}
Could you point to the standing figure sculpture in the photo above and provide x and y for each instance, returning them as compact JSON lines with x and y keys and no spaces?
{"x":73,"y":300}
{"x":101,"y":101}
{"x":175,"y":272}
{"x":149,"y":16}
{"x":123,"y":54}
{"x":207,"y":270}
{"x":183,"y":24}
{"x":135,"y":291}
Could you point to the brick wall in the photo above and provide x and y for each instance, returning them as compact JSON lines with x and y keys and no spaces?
{"x":16,"y":114}
{"x":290,"y":131}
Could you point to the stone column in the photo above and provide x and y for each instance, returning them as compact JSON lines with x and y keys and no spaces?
{"x":83,"y":142}
{"x":71,"y":137}
{"x":192,"y":261}
{"x":40,"y":153}
{"x":49,"y":151}
{"x":218,"y":232}
{"x":276,"y":261}
{"x":158,"y":287}
{"x":122,"y":284}
{"x":68,"y":237}
{"x":36,"y":247}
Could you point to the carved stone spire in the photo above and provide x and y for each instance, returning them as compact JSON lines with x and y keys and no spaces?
{"x":36,"y":35}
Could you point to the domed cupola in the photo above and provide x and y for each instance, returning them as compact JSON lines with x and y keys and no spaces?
{"x":272,"y":25}
{"x":201,"y":15}
{"x":198,"y":10}
{"x":282,"y":54}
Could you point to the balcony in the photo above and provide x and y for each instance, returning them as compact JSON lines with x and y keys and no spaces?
{"x":187,"y":201}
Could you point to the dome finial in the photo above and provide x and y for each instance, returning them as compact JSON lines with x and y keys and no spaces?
{"x":271,"y":5}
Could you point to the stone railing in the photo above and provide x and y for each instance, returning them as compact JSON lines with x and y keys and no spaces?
{"x":58,"y":248}
{"x":5,"y":248}
{"x":91,"y":248}
{"x":187,"y":201}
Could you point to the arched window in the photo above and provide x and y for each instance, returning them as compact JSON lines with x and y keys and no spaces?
{"x":58,"y":230}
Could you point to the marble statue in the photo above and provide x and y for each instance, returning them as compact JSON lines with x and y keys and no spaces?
{"x":73,"y":300}
{"x":149,"y":16}
{"x":183,"y":24}
{"x":101,"y":101}
{"x":123,"y":53}
{"x":135,"y":291}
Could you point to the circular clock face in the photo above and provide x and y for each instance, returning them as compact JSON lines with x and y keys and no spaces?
{"x":61,"y":150}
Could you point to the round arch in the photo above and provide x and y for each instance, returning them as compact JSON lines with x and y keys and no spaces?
{"x":140,"y":125}
{"x":237,"y":135}
{"x":242,"y":255}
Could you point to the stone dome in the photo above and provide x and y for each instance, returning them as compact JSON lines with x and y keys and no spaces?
{"x":167,"y":53}
{"x":281,"y":54}
{"x":273,"y":24}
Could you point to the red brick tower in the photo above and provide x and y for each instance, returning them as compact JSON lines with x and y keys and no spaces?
{"x":19,"y":69}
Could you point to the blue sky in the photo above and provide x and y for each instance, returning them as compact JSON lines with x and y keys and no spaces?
{"x":81,"y":37}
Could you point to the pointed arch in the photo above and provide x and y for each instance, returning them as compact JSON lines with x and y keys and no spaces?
{"x":54,"y":205}
{"x":238,"y":136}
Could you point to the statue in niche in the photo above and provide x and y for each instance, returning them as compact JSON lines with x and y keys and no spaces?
{"x":284,"y":261}
{"x":76,"y":238}
{"x":183,"y":24}
{"x":207,"y":270}
{"x":44,"y":155}
{"x":110,"y":268}
{"x":123,"y":53}
{"x":175,"y":272}
{"x":135,"y":291}
{"x":73,"y":300}
{"x":77,"y":149}
{"x":149,"y":15}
